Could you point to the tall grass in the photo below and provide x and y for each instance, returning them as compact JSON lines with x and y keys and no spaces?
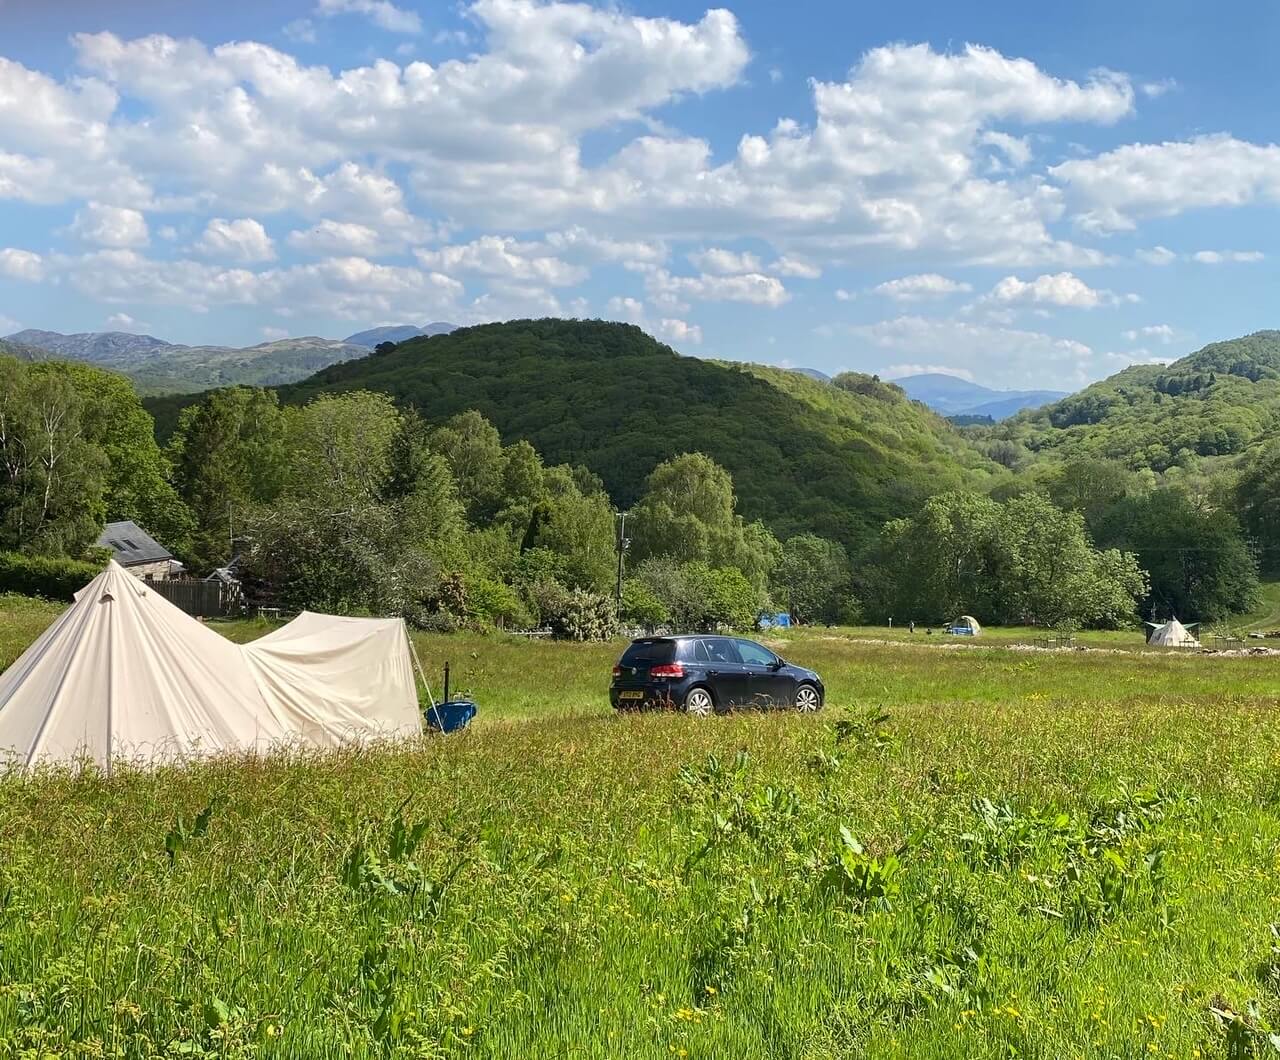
{"x":980,"y":853}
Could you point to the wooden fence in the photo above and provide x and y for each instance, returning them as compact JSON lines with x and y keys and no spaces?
{"x":200,"y":598}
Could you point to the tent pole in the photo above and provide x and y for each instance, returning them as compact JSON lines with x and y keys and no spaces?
{"x":422,"y":674}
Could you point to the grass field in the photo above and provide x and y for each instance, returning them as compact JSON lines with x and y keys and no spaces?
{"x":971,"y":852}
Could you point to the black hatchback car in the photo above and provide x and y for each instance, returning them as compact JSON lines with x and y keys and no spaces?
{"x":700,"y":673}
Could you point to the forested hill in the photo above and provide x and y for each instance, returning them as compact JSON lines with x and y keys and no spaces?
{"x":1217,"y":402}
{"x":838,"y":459}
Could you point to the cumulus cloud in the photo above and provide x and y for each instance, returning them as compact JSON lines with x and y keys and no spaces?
{"x":504,"y":258}
{"x":110,"y":226}
{"x":348,"y":287}
{"x":919,"y":287}
{"x":1220,"y":257}
{"x":1059,"y":289}
{"x":721,"y":262}
{"x":381,"y":13}
{"x":124,"y":322}
{"x":1117,"y":189}
{"x":242,"y":240}
{"x":21,"y":264}
{"x":670,"y":329}
{"x":751,"y":287}
{"x":336,"y":237}
{"x":1156,"y":256}
{"x":1161,"y":332}
{"x":797,"y":267}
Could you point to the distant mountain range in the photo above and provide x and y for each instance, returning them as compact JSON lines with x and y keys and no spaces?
{"x":160,"y":367}
{"x":951,"y":396}
{"x":398,"y":333}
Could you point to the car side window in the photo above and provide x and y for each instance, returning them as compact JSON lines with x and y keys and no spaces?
{"x":700,"y":653}
{"x":720,"y":651}
{"x":755,"y":654}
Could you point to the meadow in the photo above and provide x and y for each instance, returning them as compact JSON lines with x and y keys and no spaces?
{"x":972,"y":851}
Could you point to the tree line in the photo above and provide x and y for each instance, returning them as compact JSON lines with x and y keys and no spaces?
{"x":354,"y":503}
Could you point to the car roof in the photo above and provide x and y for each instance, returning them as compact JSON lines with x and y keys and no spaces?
{"x":685,"y":636}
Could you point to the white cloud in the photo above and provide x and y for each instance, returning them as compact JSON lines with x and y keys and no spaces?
{"x":110,"y":226}
{"x":721,"y":262}
{"x":789,"y":266}
{"x":274,"y":334}
{"x":844,"y":296}
{"x":381,"y":13}
{"x":336,"y":237}
{"x":124,"y":322}
{"x":1220,"y":257}
{"x":901,"y":371}
{"x":1016,"y":149}
{"x":1156,"y":89}
{"x":1060,"y":289}
{"x":578,"y":244}
{"x":1162,"y":332}
{"x":921,"y":286}
{"x":1115,"y":190}
{"x":678,"y":331}
{"x":754,"y":288}
{"x":1156,"y":256}
{"x":347,"y":287}
{"x":670,"y":329}
{"x":504,"y":258}
{"x":243,"y":240}
{"x":21,"y":264}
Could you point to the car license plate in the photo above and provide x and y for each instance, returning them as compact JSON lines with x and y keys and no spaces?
{"x":631,"y":695}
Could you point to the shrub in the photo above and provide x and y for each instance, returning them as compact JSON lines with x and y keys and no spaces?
{"x":575,"y":614}
{"x":52,"y":577}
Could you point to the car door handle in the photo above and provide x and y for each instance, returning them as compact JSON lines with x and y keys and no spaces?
{"x":713,"y":673}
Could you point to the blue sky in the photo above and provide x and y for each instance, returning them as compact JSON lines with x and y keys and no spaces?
{"x":1022,"y":195}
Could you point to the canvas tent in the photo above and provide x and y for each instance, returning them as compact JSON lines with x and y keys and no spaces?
{"x":1172,"y":634}
{"x":965,"y":626}
{"x":122,"y":673}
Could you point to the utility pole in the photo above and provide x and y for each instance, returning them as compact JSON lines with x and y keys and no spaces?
{"x":623,"y":544}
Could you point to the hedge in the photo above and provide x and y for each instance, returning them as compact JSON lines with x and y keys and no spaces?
{"x":47,"y":576}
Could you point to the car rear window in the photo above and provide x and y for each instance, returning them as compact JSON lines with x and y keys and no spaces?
{"x":648,"y":653}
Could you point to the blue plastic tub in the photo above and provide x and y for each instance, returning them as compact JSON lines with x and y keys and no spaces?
{"x":446,"y":717}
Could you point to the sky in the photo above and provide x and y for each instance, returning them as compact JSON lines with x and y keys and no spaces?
{"x":1026,"y":195}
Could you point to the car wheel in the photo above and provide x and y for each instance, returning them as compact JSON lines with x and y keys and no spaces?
{"x":807,"y":699}
{"x":699,"y":703}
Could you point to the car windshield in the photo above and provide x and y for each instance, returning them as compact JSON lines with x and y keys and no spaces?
{"x":644,"y":654}
{"x":755,"y":654}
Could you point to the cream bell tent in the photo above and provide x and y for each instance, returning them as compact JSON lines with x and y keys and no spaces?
{"x":965,"y":626}
{"x":1173,"y":634}
{"x":123,"y":674}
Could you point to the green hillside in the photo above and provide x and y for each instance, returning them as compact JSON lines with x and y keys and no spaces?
{"x":1218,"y":402}
{"x":835,"y":459}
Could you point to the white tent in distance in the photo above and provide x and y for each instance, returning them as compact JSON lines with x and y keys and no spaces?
{"x":123,"y":674}
{"x":1172,"y":634}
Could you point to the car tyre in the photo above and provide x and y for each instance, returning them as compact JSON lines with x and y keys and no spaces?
{"x":808,"y":701}
{"x":699,"y":703}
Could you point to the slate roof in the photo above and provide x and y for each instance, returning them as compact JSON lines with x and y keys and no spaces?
{"x":132,"y":545}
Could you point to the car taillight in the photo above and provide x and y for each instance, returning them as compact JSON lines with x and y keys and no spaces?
{"x":667,"y":670}
{"x":617,"y":671}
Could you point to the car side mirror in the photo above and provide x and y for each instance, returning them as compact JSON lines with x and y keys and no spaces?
{"x":777,"y":664}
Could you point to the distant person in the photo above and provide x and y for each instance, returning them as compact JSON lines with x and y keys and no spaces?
{"x":929,"y":631}
{"x":911,"y":626}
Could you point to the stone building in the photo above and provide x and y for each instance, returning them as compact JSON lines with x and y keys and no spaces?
{"x":138,"y":552}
